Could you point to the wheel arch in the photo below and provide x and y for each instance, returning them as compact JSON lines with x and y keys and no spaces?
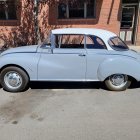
{"x":122,"y":65}
{"x":129,"y":77}
{"x":14,"y":65}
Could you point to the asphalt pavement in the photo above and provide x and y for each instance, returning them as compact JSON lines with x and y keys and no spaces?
{"x":70,"y":111}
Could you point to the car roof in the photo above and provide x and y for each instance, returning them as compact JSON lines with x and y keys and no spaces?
{"x":104,"y":34}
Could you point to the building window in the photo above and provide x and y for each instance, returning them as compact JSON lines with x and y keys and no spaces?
{"x":129,"y":1}
{"x":8,"y":10}
{"x":62,"y":8}
{"x":75,"y":9}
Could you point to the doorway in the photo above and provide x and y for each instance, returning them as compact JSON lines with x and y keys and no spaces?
{"x":129,"y":22}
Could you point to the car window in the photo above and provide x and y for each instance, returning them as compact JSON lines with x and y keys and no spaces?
{"x":117,"y":44}
{"x":94,"y":42}
{"x":69,"y":41}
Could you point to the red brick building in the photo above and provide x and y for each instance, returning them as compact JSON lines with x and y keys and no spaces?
{"x":18,"y":24}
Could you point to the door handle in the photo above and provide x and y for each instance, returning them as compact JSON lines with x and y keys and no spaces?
{"x":82,"y":55}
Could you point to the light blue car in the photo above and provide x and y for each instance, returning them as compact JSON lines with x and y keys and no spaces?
{"x":73,"y":54}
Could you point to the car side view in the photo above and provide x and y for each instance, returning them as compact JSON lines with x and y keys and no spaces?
{"x":73,"y":54}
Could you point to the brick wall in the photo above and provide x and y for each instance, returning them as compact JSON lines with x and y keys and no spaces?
{"x":108,"y":13}
{"x":107,"y":17}
{"x":21,"y":31}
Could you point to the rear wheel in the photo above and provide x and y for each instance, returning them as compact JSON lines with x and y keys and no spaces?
{"x":14,"y":79}
{"x":118,"y":82}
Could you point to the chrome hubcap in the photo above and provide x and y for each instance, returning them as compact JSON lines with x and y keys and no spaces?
{"x":13,"y":80}
{"x":118,"y":80}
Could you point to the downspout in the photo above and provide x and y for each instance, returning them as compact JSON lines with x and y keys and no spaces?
{"x":37,"y":32}
{"x":137,"y":21}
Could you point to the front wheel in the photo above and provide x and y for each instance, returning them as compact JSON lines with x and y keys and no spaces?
{"x":118,"y":82}
{"x":14,"y":79}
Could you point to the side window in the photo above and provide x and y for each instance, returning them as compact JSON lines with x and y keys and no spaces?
{"x":89,"y":42}
{"x":94,"y":42}
{"x":57,"y":41}
{"x":69,"y":41}
{"x":117,"y":44}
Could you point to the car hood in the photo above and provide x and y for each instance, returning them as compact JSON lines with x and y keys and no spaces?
{"x":23,"y":49}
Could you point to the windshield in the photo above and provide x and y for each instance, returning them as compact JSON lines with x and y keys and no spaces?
{"x":117,"y":44}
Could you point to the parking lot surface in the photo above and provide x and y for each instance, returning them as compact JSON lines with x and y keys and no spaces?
{"x":70,"y":111}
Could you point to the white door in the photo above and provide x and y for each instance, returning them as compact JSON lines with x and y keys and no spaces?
{"x":96,"y":54}
{"x":66,"y":63}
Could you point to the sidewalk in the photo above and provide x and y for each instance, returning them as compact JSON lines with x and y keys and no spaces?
{"x":137,"y":48}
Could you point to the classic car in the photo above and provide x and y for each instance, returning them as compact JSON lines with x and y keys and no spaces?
{"x":71,"y":55}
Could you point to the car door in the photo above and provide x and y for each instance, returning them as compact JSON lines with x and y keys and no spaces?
{"x":96,"y":54}
{"x":66,"y":62}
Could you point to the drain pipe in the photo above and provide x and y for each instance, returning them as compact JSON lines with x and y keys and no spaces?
{"x":37,"y":32}
{"x":138,"y":15}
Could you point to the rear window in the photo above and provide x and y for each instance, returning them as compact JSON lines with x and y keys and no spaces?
{"x":117,"y":44}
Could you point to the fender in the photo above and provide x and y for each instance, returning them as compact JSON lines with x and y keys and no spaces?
{"x":27,"y":61}
{"x":119,"y":65}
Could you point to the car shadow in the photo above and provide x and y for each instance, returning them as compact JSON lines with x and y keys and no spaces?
{"x":74,"y":85}
{"x":135,"y":85}
{"x":66,"y":85}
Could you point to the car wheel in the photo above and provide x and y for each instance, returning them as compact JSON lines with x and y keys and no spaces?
{"x":14,"y":79}
{"x":118,"y":82}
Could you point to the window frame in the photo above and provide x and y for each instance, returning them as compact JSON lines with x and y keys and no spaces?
{"x":53,"y":44}
{"x":13,"y":22}
{"x":6,"y":10}
{"x":85,"y":11}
